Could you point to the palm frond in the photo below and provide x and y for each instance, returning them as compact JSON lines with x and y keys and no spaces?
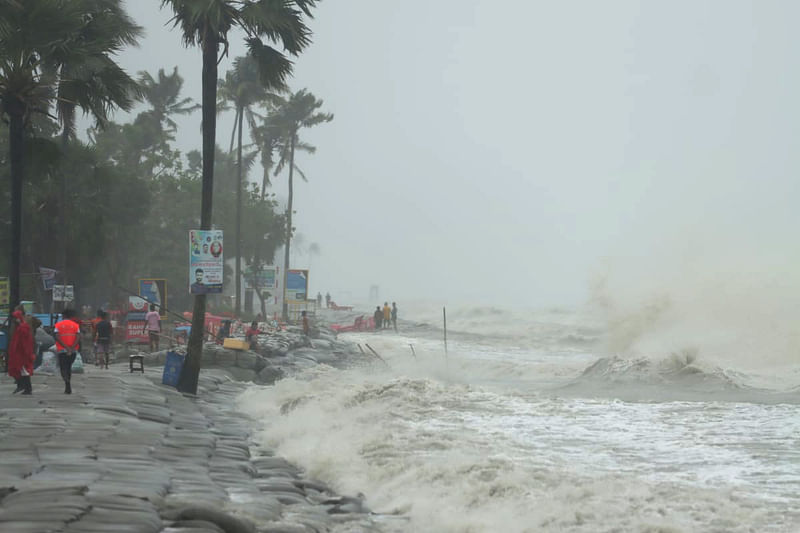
{"x":277,"y":20}
{"x":273,"y":67}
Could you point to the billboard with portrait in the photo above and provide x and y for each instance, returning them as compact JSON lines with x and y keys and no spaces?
{"x":206,"y":266}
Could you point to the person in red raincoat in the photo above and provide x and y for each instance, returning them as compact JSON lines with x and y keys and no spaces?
{"x":20,"y":354}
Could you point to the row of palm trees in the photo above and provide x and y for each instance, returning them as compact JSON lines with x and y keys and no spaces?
{"x":275,"y":132}
{"x":61,"y":54}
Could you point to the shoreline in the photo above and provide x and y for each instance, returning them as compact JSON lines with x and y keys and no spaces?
{"x":125,"y":453}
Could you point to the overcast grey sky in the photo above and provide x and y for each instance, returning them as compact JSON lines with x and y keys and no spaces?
{"x":508,"y":152}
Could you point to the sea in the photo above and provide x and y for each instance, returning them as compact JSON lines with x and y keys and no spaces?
{"x":553,"y":420}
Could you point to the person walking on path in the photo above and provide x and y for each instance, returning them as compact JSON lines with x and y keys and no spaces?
{"x":153,"y":326}
{"x":102,"y":340}
{"x":20,"y":354}
{"x":319,"y":299}
{"x":394,"y":316}
{"x":96,"y":320}
{"x":327,"y":299}
{"x":378,"y":316}
{"x":387,"y":315}
{"x":67,"y":333}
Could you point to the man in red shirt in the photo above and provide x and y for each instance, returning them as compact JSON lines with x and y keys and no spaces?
{"x":68,"y":336}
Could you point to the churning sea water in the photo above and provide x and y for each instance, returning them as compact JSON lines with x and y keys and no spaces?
{"x":530,"y":424}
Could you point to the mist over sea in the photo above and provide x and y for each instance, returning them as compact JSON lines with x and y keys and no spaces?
{"x":556,"y":420}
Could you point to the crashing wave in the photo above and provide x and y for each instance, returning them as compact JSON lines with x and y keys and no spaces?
{"x":679,"y":368}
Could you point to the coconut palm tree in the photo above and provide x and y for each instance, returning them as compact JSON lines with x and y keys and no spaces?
{"x":207,"y":24}
{"x":300,"y":110}
{"x":49,"y":48}
{"x":163,"y":95}
{"x":244,"y":88}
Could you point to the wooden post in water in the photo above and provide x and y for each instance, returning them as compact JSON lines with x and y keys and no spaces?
{"x":444,"y":315}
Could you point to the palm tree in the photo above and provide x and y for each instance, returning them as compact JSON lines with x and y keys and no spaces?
{"x":244,"y":88}
{"x":88,"y":78}
{"x":206,"y":24}
{"x":44,"y":57}
{"x":163,"y":95}
{"x":301,"y":110}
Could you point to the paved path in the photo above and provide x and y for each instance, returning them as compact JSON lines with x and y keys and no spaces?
{"x":126,"y":454}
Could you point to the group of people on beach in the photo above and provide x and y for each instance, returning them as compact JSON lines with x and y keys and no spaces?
{"x":387,"y":317}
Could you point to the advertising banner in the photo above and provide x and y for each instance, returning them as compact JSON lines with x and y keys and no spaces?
{"x":134,"y":332}
{"x":63,"y":293}
{"x":206,"y":267}
{"x":155,"y":292}
{"x":297,"y":286}
{"x":48,"y":276}
{"x":134,"y":327}
{"x":265,"y":279}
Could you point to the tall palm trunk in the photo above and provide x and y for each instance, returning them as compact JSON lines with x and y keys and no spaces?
{"x":233,"y":132}
{"x":62,"y":213}
{"x":191,"y":367}
{"x":240,"y":112}
{"x":16,"y":112}
{"x":257,"y":260}
{"x":288,"y":228}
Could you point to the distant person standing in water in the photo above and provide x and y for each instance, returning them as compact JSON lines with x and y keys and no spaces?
{"x":378,"y":316}
{"x":153,"y":326}
{"x":394,"y":316}
{"x":387,"y":314}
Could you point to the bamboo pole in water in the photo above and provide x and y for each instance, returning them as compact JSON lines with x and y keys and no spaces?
{"x":444,"y":315}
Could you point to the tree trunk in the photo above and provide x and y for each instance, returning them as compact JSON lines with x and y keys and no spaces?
{"x":288,"y":229}
{"x":16,"y":139}
{"x":233,"y":132}
{"x":264,"y":181}
{"x":194,"y":349}
{"x":63,"y":234}
{"x":238,"y":309}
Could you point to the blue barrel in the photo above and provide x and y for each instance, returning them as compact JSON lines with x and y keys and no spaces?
{"x":172,"y":369}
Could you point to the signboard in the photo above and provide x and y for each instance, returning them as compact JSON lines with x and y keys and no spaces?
{"x":297,"y":286}
{"x":137,"y":305}
{"x":263,"y":279}
{"x":134,"y":327}
{"x":155,"y":292}
{"x":4,"y":293}
{"x":63,"y":293}
{"x":134,"y":332}
{"x":48,"y":276}
{"x":206,"y":267}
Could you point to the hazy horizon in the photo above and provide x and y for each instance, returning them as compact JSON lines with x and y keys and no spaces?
{"x":510,"y":156}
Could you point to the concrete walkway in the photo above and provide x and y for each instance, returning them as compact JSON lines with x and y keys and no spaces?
{"x":125,"y":454}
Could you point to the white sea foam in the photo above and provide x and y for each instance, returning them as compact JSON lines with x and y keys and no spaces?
{"x":505,"y":438}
